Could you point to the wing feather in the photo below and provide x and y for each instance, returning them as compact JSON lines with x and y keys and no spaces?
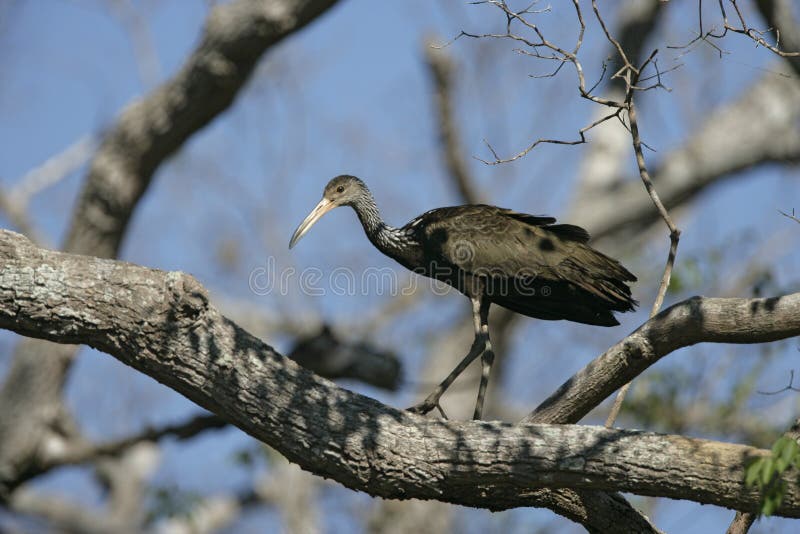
{"x":504,"y":245}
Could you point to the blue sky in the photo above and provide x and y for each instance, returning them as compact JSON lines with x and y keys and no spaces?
{"x":351,"y":94}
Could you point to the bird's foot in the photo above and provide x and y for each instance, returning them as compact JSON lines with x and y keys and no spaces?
{"x":427,"y":406}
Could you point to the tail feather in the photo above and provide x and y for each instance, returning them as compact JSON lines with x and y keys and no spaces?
{"x":601,"y":276}
{"x":585,"y":288}
{"x":556,"y":300}
{"x":553,"y":310}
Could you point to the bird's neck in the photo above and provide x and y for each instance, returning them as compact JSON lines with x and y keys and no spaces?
{"x":393,"y":242}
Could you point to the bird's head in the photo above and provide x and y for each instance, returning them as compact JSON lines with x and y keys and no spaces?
{"x":344,"y":190}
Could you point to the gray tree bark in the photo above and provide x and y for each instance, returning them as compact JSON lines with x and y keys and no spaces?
{"x":163,"y":324}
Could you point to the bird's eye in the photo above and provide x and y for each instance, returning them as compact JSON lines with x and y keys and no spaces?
{"x":340,"y":189}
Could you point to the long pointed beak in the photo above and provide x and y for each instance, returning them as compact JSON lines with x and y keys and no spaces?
{"x":319,"y":210}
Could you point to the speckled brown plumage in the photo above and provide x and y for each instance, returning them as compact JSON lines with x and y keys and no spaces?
{"x":523,"y":262}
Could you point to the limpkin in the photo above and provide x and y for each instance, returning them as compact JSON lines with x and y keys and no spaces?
{"x":525,"y":263}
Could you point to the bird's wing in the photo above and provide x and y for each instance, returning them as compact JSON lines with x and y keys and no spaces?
{"x":499,"y":243}
{"x":485,"y":238}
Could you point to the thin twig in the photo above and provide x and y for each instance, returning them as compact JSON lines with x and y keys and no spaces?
{"x":789,"y":387}
{"x":138,"y":31}
{"x":792,"y":216}
{"x":556,"y":53}
{"x":742,"y":28}
{"x":581,"y":140}
{"x":674,"y":232}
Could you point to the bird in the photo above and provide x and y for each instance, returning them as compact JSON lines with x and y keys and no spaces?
{"x":525,"y":263}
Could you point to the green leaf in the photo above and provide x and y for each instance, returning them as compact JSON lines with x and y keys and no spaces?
{"x":773,"y":501}
{"x":780,"y":465}
{"x":767,"y":471}
{"x":769,"y":506}
{"x":790,"y":451}
{"x":779,"y":494}
{"x":777,"y":447}
{"x":752,"y":472}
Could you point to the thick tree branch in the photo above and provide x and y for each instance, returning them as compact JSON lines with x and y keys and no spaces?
{"x":696,"y":320}
{"x":163,"y":325}
{"x":321,"y":353}
{"x":235,"y":36}
{"x":328,"y":356}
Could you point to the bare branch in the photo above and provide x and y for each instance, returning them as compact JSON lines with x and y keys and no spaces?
{"x":125,"y":478}
{"x":562,"y":56}
{"x":778,"y":13}
{"x":792,"y":216}
{"x":602,"y":161}
{"x":631,"y":74}
{"x":581,"y":139}
{"x":82,"y":452}
{"x":143,"y":46}
{"x":52,"y":171}
{"x":786,"y":29}
{"x":757,"y":35}
{"x":15,"y":201}
{"x":789,"y":387}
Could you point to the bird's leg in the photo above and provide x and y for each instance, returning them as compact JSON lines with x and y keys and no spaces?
{"x":432,"y":400}
{"x":478,"y":346}
{"x":487,"y":358}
